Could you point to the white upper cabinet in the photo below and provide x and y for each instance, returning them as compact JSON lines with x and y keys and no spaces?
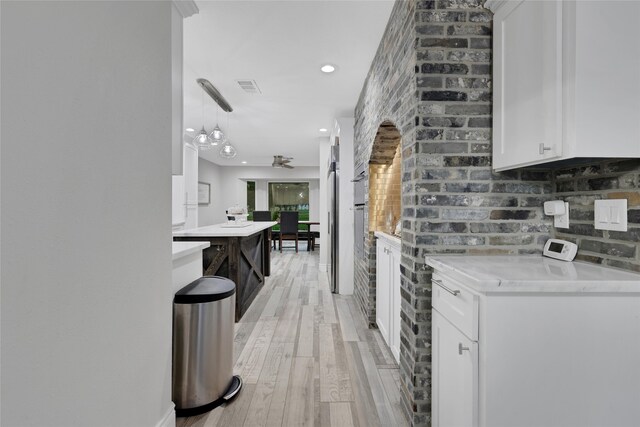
{"x":566,"y":81}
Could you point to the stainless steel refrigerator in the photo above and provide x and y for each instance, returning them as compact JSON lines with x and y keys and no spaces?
{"x":333,"y":205}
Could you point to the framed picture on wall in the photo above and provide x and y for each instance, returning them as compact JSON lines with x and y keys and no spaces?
{"x":204,"y":193}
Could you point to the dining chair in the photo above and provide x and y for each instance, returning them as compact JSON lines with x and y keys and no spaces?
{"x":289,"y":227}
{"x":264,"y":216}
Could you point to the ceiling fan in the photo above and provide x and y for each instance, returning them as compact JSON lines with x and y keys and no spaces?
{"x":282,"y":162}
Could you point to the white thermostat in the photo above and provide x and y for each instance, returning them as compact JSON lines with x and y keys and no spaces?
{"x":560,"y":249}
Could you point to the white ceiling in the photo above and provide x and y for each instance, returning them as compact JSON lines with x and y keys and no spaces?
{"x":281,"y":45}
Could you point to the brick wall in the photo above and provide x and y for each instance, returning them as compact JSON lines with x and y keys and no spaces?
{"x":581,"y":186}
{"x":431,"y":79}
{"x":387,"y":101}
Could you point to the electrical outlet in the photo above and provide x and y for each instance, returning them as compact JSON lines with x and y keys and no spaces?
{"x":562,"y":221}
{"x":611,"y":214}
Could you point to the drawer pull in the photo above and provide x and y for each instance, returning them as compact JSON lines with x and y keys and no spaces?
{"x":461,"y":348}
{"x":453,"y":292}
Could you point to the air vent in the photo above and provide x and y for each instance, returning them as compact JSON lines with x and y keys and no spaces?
{"x":249,"y":86}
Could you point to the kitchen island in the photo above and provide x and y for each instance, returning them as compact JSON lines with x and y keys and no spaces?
{"x":239,"y":252}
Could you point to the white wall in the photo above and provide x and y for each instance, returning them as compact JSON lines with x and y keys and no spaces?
{"x":314,"y":200}
{"x":262,"y":195}
{"x":346,"y":234}
{"x":324,"y":149}
{"x":177,"y":63}
{"x":86,"y":211}
{"x":212,"y":174}
{"x":234,"y":187}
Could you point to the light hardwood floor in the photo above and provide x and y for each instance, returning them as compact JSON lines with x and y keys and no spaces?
{"x":307,"y":358}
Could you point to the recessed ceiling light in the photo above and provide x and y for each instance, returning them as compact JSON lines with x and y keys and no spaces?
{"x":244,"y":162}
{"x":328,"y":68}
{"x":189,"y":129}
{"x":322,"y":130}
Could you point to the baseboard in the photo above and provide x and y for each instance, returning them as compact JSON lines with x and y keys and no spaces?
{"x":169,"y":419}
{"x":322,"y":267}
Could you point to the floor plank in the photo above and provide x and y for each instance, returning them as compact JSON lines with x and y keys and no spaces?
{"x":242,"y":334}
{"x":287,"y":328}
{"x":342,"y":365}
{"x":382,"y":405}
{"x":329,"y":388}
{"x":255,"y":360}
{"x":305,"y":337}
{"x":328,"y":308}
{"x":349,"y":332}
{"x":299,"y":406}
{"x":341,"y":414}
{"x":364,"y":403}
{"x":272,"y":305}
{"x":390,"y":384}
{"x":235,"y":411}
{"x":279,"y":397}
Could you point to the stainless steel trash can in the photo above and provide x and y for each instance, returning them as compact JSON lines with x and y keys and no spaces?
{"x":203,"y":319}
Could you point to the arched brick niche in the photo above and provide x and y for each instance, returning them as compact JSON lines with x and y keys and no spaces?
{"x":383,"y":209}
{"x":385,"y":181}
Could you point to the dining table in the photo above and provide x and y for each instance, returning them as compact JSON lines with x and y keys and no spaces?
{"x":309,"y":224}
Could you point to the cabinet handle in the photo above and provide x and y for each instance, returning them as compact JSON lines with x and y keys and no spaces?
{"x":461,"y":348}
{"x":542,"y":148}
{"x":453,"y":292}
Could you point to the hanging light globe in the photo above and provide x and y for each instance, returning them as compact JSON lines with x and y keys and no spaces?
{"x":228,"y":151}
{"x":202,"y":140}
{"x":217,"y":136}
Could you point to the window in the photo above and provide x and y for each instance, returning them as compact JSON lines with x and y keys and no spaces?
{"x":289,"y":196}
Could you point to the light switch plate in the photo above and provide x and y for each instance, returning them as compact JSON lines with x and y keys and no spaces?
{"x":611,"y":214}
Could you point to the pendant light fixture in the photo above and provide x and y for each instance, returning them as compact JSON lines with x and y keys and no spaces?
{"x":228,"y":151}
{"x":217,"y":136}
{"x":202,"y":140}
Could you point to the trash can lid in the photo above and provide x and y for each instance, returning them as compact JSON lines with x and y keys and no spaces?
{"x":205,"y":289}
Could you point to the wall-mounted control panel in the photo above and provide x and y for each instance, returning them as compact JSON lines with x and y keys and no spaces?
{"x":611,"y":214}
{"x":560,"y":212}
{"x":560,"y":249}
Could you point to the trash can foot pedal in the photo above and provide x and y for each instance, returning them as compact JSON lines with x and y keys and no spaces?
{"x":234,"y":388}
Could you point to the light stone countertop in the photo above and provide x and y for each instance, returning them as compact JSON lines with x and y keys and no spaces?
{"x":223,"y":230}
{"x":394,"y":240}
{"x":533,"y":273}
{"x":182,"y":249}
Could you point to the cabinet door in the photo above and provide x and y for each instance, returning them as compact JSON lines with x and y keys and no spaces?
{"x":527,"y":74}
{"x":383,"y":287}
{"x":178,"y":201}
{"x":394,"y":333}
{"x":191,"y":174}
{"x":191,"y":185}
{"x":454,"y":402}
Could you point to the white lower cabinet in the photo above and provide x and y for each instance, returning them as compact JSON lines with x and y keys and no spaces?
{"x":383,"y":290}
{"x":532,"y":342}
{"x":454,"y":375}
{"x":388,"y":291}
